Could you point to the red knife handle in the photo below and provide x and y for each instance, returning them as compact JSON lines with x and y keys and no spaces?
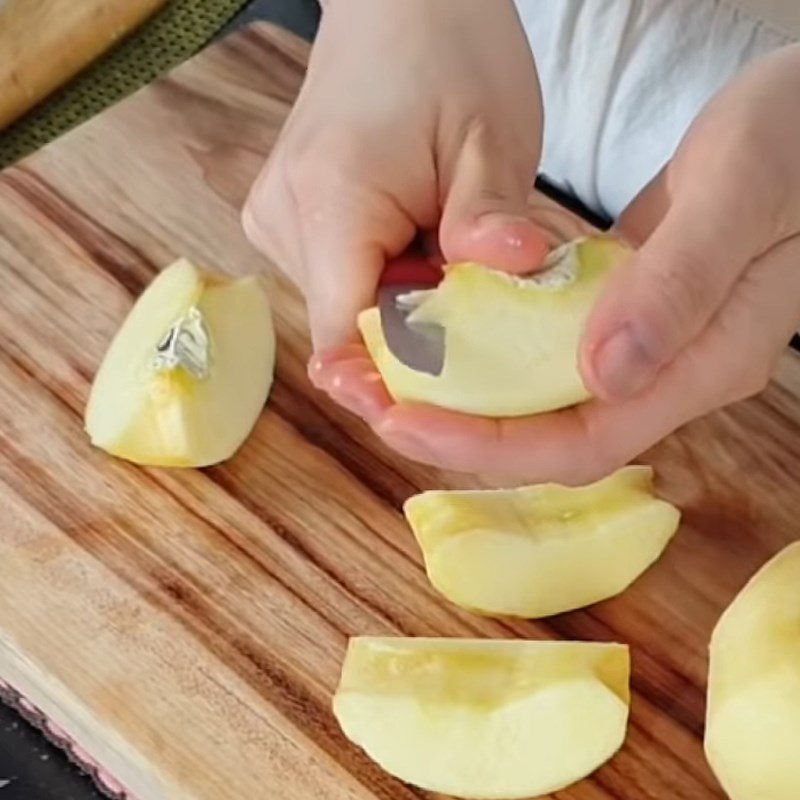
{"x":421,"y":263}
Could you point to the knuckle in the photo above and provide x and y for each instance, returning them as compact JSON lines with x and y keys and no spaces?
{"x":683,"y":286}
{"x":677,"y":300}
{"x":326,"y":162}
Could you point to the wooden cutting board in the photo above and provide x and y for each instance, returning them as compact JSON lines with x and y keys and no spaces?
{"x":187,"y":628}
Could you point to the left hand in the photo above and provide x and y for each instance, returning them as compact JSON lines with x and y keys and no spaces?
{"x":696,"y":321}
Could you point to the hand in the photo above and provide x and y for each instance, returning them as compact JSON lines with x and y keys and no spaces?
{"x":413,"y":113}
{"x":696,"y":322}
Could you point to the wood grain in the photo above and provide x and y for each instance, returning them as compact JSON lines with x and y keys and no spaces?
{"x":188,"y":627}
{"x":44,"y":43}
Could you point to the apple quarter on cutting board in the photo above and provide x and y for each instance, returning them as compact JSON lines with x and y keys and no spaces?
{"x":187,"y":628}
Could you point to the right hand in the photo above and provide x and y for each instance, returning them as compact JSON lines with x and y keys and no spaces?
{"x":415,"y":115}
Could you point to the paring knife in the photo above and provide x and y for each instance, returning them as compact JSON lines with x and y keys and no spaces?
{"x":420,"y":346}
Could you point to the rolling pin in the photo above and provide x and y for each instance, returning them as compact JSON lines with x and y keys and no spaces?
{"x":44,"y":43}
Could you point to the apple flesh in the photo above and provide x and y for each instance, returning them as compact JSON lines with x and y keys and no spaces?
{"x":541,"y":550}
{"x":753,"y":720}
{"x":187,"y":374}
{"x":511,"y":342}
{"x":485,"y":719}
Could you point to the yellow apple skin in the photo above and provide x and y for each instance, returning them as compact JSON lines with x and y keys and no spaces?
{"x":511,"y":346}
{"x":485,"y":719}
{"x":170,"y":417}
{"x":753,"y":718}
{"x":541,"y":550}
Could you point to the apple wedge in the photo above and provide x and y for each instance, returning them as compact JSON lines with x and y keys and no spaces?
{"x":187,"y":374}
{"x":541,"y":550}
{"x":511,"y":342}
{"x":485,"y":719}
{"x":753,"y":719}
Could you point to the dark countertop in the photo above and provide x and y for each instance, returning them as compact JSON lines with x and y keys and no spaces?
{"x":32,"y":769}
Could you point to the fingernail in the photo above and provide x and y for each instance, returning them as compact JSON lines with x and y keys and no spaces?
{"x":515,"y":228}
{"x":622,"y":365}
{"x":515,"y":241}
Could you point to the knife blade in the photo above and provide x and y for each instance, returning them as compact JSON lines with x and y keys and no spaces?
{"x":420,"y":346}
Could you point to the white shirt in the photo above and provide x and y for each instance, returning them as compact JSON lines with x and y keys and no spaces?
{"x":623,"y":79}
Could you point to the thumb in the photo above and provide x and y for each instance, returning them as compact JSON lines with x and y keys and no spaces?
{"x":486,"y":215}
{"x":671,"y":289}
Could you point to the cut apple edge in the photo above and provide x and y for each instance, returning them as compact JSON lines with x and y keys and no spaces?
{"x":561,"y":735}
{"x":564,"y":720}
{"x":158,"y":362}
{"x":429,"y":512}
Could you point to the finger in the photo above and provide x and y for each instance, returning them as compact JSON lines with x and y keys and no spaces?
{"x":335,"y":263}
{"x":729,"y":361}
{"x":348,"y":231}
{"x":638,"y":221}
{"x":486,"y":215}
{"x":320,"y":364}
{"x":331,"y":260}
{"x":549,"y":447}
{"x":349,"y":377}
{"x":342,"y":274}
{"x":735,"y":357}
{"x":672,"y":288}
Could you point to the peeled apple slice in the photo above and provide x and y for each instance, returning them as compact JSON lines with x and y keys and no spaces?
{"x":541,"y":550}
{"x":511,"y":343}
{"x":753,"y":721}
{"x":485,"y":719}
{"x":187,"y":374}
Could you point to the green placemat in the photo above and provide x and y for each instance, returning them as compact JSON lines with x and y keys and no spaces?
{"x":173,"y":34}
